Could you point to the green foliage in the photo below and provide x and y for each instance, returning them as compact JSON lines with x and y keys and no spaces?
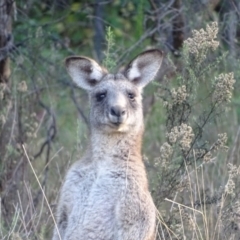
{"x":109,"y":62}
{"x":140,"y":18}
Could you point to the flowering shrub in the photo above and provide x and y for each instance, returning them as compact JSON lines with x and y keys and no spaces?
{"x":187,"y":150}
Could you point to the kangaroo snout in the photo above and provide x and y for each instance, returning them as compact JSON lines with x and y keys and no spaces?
{"x":117,"y":114}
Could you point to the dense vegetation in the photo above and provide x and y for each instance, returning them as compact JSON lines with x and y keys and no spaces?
{"x":192,"y":110}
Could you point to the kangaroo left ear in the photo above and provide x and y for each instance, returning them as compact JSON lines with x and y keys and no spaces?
{"x":142,"y":69}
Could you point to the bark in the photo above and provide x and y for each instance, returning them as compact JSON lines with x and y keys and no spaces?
{"x":177,"y":28}
{"x":6,"y":7}
{"x":228,"y":12}
{"x":10,"y":174}
{"x":98,"y":29}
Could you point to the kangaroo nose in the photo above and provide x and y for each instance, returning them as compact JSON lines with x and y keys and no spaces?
{"x":117,"y":111}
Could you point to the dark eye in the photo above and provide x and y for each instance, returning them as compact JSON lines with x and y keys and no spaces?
{"x":100,"y":96}
{"x":131,"y":96}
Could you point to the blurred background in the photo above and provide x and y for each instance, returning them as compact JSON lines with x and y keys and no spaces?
{"x":41,"y":109}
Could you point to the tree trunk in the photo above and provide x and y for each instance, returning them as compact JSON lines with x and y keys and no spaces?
{"x":229,"y":18}
{"x":6,"y":7}
{"x":177,"y":28}
{"x":7,"y":112}
{"x":99,"y":30}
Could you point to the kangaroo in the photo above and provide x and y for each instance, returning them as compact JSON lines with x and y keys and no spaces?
{"x":105,"y":195}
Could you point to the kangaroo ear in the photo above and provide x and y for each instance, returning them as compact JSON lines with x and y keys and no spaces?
{"x":85,"y":72}
{"x":142,"y":69}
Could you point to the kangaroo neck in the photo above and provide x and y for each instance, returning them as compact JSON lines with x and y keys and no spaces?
{"x":123,"y":145}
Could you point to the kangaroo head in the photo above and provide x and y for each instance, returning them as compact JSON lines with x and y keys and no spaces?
{"x":116,"y":104}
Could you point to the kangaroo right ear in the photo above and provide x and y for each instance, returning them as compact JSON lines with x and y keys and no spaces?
{"x":85,"y":72}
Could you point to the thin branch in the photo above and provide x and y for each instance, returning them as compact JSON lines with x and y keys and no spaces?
{"x":129,"y":50}
{"x":80,"y":111}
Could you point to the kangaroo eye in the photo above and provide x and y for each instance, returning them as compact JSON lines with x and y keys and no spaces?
{"x":131,"y":96}
{"x":100,"y":96}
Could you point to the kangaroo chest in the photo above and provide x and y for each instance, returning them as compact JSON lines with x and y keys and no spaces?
{"x":104,"y":202}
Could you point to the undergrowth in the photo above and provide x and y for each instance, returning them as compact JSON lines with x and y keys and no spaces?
{"x":194,"y":178}
{"x":190,"y":204}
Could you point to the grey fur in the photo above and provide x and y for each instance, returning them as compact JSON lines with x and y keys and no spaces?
{"x":105,"y":195}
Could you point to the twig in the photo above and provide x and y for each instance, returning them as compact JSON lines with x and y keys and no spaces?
{"x":236,"y":145}
{"x":129,"y":50}
{"x":193,"y":209}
